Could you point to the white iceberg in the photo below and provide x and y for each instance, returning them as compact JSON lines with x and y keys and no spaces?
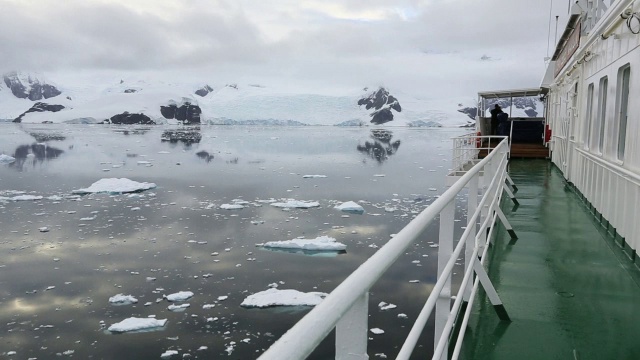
{"x":6,"y":159}
{"x":115,"y":186}
{"x":275,"y":297}
{"x":137,"y":324}
{"x":350,"y":206}
{"x":290,"y":203}
{"x":180,"y":296}
{"x":322,"y":243}
{"x":122,"y":299}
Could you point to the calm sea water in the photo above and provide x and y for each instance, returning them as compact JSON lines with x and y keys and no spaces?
{"x":169,"y":233}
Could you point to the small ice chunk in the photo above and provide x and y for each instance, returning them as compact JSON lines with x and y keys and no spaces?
{"x":289,"y":297}
{"x":169,"y":353}
{"x":136,"y":324}
{"x":122,"y":299}
{"x":6,"y":159}
{"x":377,"y":331}
{"x":180,"y":307}
{"x":384,"y":306}
{"x":403,"y":316}
{"x":222,"y":298}
{"x":322,"y":243}
{"x":350,"y":206}
{"x":43,"y":229}
{"x":180,"y":296}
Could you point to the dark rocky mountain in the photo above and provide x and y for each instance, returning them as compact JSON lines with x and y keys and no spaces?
{"x":129,"y":119}
{"x":188,"y":113}
{"x":381,"y":102}
{"x":39,"y":107}
{"x":29,"y":87}
{"x":204,"y":91}
{"x":529,"y":104}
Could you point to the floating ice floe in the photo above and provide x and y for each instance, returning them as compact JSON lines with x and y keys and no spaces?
{"x":169,"y":353}
{"x":384,"y":306}
{"x":322,"y":243}
{"x":6,"y":159}
{"x":350,"y":206}
{"x":26,"y":198}
{"x":377,"y":331}
{"x":178,"y":308}
{"x":137,"y":324}
{"x":231,"y":207}
{"x":289,"y":297}
{"x":313,"y":176}
{"x":122,"y":299}
{"x":180,"y":296}
{"x":290,"y":203}
{"x":115,"y":186}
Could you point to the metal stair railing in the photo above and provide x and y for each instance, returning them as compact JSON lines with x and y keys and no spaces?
{"x":346,"y":307}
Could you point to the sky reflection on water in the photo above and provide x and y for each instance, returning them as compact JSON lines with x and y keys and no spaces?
{"x":147,"y":235}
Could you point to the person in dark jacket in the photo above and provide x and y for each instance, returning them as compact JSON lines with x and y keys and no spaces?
{"x":494,"y":119}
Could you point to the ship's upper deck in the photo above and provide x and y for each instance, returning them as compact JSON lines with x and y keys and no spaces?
{"x":570,"y":289}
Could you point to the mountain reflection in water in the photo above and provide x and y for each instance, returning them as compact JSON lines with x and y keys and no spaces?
{"x":381,"y":148}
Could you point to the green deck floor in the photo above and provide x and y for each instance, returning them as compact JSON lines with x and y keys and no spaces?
{"x":570,"y":292}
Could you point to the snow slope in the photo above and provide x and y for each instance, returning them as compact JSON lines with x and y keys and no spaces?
{"x":93,"y":99}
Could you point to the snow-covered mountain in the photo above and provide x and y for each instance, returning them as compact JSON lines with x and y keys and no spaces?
{"x":149,"y":101}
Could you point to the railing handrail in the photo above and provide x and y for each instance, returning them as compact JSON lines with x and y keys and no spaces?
{"x":299,"y":341}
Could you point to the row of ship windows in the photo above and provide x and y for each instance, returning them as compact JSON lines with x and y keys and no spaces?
{"x":597,"y":114}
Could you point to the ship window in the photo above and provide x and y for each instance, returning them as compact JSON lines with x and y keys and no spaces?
{"x":589,"y":115}
{"x":623,"y":102}
{"x":602,"y":111}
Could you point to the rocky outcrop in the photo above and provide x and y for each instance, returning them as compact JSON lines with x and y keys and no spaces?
{"x":469,"y":111}
{"x":204,"y":91}
{"x":28,"y":87}
{"x":188,"y":113}
{"x":130,"y":91}
{"x":382,"y":103}
{"x":39,"y":107}
{"x":129,"y":119}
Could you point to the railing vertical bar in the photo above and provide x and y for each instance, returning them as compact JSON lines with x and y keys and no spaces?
{"x":445,"y":249}
{"x":352,"y":330}
{"x":472,"y":205}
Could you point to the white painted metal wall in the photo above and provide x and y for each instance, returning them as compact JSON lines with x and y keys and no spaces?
{"x":611,"y":184}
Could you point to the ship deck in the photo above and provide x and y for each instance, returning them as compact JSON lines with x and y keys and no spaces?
{"x":569,"y":288}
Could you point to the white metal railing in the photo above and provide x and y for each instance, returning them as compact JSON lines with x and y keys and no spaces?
{"x":466,"y":149}
{"x":346,"y":308}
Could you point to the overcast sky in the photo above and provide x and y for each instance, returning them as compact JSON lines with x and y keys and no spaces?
{"x":428,"y":47}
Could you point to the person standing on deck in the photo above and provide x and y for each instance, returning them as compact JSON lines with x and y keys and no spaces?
{"x":494,"y":119}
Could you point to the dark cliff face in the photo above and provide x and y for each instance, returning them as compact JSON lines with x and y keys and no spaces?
{"x":32,"y":89}
{"x":39,"y":107}
{"x":204,"y":91}
{"x":381,"y":102}
{"x":187,"y":113}
{"x":129,"y":119}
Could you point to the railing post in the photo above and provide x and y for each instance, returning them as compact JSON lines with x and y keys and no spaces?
{"x":472,"y":205}
{"x":352,"y":331}
{"x":443,"y":304}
